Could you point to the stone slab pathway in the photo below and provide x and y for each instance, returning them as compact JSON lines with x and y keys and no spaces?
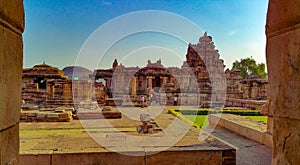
{"x":248,"y":152}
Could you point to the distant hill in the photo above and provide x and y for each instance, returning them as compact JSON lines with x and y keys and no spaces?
{"x":80,"y":72}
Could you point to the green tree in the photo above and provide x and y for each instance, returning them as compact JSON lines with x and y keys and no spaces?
{"x":249,"y":67}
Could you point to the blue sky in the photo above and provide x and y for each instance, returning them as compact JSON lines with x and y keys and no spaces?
{"x":56,"y":30}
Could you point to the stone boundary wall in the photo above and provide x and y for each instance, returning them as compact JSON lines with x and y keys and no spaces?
{"x":180,"y":156}
{"x":252,"y":130}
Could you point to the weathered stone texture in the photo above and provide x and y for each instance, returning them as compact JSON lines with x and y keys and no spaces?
{"x":189,"y":157}
{"x":282,"y":14}
{"x":96,"y":158}
{"x":286,"y":137}
{"x":283,"y":61}
{"x":10,"y":69}
{"x":12,"y":12}
{"x":35,"y":159}
{"x":9,"y":145}
{"x":11,"y":58}
{"x":284,"y":69}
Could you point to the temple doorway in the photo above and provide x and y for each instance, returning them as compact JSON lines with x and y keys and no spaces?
{"x":156,"y":83}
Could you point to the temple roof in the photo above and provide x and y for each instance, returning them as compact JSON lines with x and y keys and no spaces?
{"x":43,"y":65}
{"x":43,"y":70}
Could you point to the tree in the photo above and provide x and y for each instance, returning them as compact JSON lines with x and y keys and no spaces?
{"x":249,"y":67}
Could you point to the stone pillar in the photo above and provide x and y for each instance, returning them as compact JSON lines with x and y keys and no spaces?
{"x":133,"y":85}
{"x":283,"y":61}
{"x":11,"y":59}
{"x":50,"y":90}
{"x":254,"y":90}
{"x":67,"y":90}
{"x":89,"y":90}
{"x":107,"y":82}
{"x":246,"y":91}
{"x":149,"y":79}
{"x":165,"y":80}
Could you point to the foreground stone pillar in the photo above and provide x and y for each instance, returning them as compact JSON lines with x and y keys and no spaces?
{"x":11,"y":59}
{"x":283,"y":61}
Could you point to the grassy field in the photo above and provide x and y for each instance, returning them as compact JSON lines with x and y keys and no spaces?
{"x":202,"y":122}
{"x":199,"y":120}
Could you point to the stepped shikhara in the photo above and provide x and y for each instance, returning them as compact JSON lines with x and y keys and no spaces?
{"x":200,"y":81}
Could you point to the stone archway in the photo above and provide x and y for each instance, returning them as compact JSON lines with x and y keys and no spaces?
{"x":283,"y":61}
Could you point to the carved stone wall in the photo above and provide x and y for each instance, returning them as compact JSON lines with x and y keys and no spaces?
{"x":233,"y":81}
{"x":67,"y":92}
{"x":254,"y":88}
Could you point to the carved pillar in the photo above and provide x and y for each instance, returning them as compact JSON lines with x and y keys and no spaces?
{"x":133,"y":85}
{"x":254,"y":91}
{"x":149,"y":82}
{"x":246,"y":91}
{"x":50,"y":90}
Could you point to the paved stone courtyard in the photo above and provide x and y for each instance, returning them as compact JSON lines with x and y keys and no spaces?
{"x":87,"y":136}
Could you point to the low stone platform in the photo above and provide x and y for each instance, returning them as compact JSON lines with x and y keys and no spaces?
{"x":46,"y":116}
{"x":72,"y":143}
{"x":97,"y":115}
{"x":251,"y":129}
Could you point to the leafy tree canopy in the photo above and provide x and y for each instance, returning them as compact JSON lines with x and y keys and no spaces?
{"x":249,"y":67}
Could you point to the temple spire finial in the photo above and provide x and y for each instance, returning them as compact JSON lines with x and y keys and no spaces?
{"x":115,"y":64}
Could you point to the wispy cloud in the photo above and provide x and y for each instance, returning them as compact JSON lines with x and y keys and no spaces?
{"x":106,"y":3}
{"x":232,"y":32}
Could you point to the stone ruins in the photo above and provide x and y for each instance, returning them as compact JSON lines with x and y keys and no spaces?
{"x":200,"y":81}
{"x":282,"y":52}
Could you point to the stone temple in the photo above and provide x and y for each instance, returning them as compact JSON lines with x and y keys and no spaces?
{"x":49,"y":87}
{"x":200,"y":81}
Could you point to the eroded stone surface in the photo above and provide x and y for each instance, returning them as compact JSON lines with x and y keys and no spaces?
{"x":286,"y":141}
{"x":282,"y":14}
{"x":283,"y":62}
{"x":12,"y":12}
{"x":11,"y":48}
{"x":284,"y":70}
{"x":11,"y":58}
{"x":9,"y":145}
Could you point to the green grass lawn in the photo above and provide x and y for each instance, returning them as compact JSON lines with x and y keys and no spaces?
{"x":199,"y":120}
{"x":202,"y":122}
